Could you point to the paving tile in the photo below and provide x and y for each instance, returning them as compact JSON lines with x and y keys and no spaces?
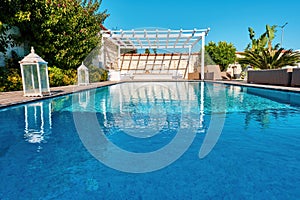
{"x":14,"y":98}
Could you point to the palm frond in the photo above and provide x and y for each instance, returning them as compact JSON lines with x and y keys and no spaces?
{"x":270,"y":60}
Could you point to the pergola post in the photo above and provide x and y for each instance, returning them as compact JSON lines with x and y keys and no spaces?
{"x":189,"y":60}
{"x":202,"y":56}
{"x":119,"y":57}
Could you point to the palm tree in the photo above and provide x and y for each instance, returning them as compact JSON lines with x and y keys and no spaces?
{"x":256,"y":44}
{"x":260,"y":53}
{"x":270,"y":59}
{"x":270,"y":32}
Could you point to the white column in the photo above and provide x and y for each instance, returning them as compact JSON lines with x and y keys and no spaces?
{"x":189,"y":60}
{"x":115,"y":74}
{"x":119,"y":58}
{"x":202,"y":56}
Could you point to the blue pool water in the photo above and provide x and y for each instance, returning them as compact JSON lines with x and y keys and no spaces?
{"x":52,"y":149}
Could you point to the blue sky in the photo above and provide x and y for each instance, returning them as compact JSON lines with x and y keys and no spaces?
{"x":228,"y":20}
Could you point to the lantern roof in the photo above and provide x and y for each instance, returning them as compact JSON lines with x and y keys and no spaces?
{"x":82,"y":67}
{"x":32,"y":58}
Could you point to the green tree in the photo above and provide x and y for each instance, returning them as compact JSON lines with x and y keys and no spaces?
{"x":207,"y":59}
{"x":270,"y":32}
{"x":63,"y":32}
{"x":222,"y":53}
{"x":5,"y":38}
{"x":8,"y":10}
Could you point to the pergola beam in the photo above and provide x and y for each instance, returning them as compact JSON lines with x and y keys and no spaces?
{"x":168,"y":36}
{"x":178,"y":37}
{"x":154,"y":46}
{"x":165,"y":39}
{"x":147,"y":38}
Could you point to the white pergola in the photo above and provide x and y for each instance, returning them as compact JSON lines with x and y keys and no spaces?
{"x":158,"y":39}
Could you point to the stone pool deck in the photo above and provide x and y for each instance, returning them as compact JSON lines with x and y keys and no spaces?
{"x":274,"y":87}
{"x":14,"y":98}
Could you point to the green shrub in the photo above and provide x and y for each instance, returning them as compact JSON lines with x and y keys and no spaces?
{"x":70,"y":77}
{"x":13,"y":61}
{"x":97,"y":74}
{"x":55,"y":76}
{"x":10,"y":79}
{"x":60,"y":77}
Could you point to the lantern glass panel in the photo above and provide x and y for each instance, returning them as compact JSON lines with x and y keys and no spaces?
{"x":44,"y":78}
{"x":31,"y":79}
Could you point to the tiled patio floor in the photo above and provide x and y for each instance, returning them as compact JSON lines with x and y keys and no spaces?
{"x":13,"y":98}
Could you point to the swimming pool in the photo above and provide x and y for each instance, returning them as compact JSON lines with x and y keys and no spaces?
{"x":251,"y":137}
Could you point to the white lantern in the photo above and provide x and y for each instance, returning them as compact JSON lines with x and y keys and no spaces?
{"x":34,"y":75}
{"x":83,"y":75}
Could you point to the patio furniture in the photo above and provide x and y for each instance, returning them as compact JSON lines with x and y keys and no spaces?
{"x":296,"y":77}
{"x":213,"y":72}
{"x":270,"y":77}
{"x":194,"y":76}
